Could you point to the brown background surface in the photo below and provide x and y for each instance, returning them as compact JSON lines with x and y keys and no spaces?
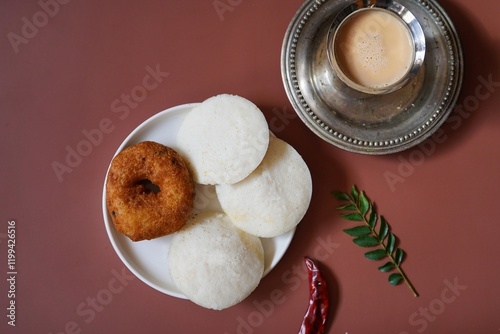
{"x":63,"y":79}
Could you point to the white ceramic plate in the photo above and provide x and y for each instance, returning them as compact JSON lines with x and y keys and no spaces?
{"x":148,"y":259}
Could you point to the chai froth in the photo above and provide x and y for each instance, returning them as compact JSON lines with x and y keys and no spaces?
{"x":374,"y":48}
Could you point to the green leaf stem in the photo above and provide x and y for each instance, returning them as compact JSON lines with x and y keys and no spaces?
{"x":375,"y":233}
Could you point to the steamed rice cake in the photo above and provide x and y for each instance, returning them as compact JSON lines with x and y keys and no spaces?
{"x":274,"y":198}
{"x":215,"y":264}
{"x":224,"y":139}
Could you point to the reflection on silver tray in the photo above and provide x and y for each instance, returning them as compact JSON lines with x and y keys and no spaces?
{"x":370,"y":124}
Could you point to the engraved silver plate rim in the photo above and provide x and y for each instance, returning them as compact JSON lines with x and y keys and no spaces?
{"x":345,"y":141}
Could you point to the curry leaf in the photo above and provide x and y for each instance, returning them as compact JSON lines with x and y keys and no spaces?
{"x":383,"y":229}
{"x":341,"y":196}
{"x":395,"y":279}
{"x":358,"y":231}
{"x":377,"y":254}
{"x":366,"y":241}
{"x":364,"y":204}
{"x":398,"y":256}
{"x":347,"y":207}
{"x":357,"y":207}
{"x":387,"y":267}
{"x":354,"y":194}
{"x":372,"y":221}
{"x":354,"y":216}
{"x":391,"y":242}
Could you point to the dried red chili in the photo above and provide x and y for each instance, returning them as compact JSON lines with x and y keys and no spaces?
{"x":315,"y":318}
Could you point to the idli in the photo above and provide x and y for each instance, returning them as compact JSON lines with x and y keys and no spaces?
{"x":224,"y":139}
{"x":274,"y":198}
{"x":215,"y":264}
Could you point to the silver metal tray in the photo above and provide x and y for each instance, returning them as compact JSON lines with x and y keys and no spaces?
{"x":370,"y":124}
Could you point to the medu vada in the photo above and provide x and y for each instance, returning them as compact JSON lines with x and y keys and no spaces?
{"x":149,"y":191}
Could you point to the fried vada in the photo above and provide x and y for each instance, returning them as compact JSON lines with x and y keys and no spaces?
{"x":149,"y":191}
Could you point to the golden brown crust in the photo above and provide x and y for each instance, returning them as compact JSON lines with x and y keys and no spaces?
{"x":135,"y":205}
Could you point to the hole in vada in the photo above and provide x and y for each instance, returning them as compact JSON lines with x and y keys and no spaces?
{"x":148,"y":187}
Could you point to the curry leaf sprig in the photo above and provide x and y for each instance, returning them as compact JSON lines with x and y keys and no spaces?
{"x":359,"y":208}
